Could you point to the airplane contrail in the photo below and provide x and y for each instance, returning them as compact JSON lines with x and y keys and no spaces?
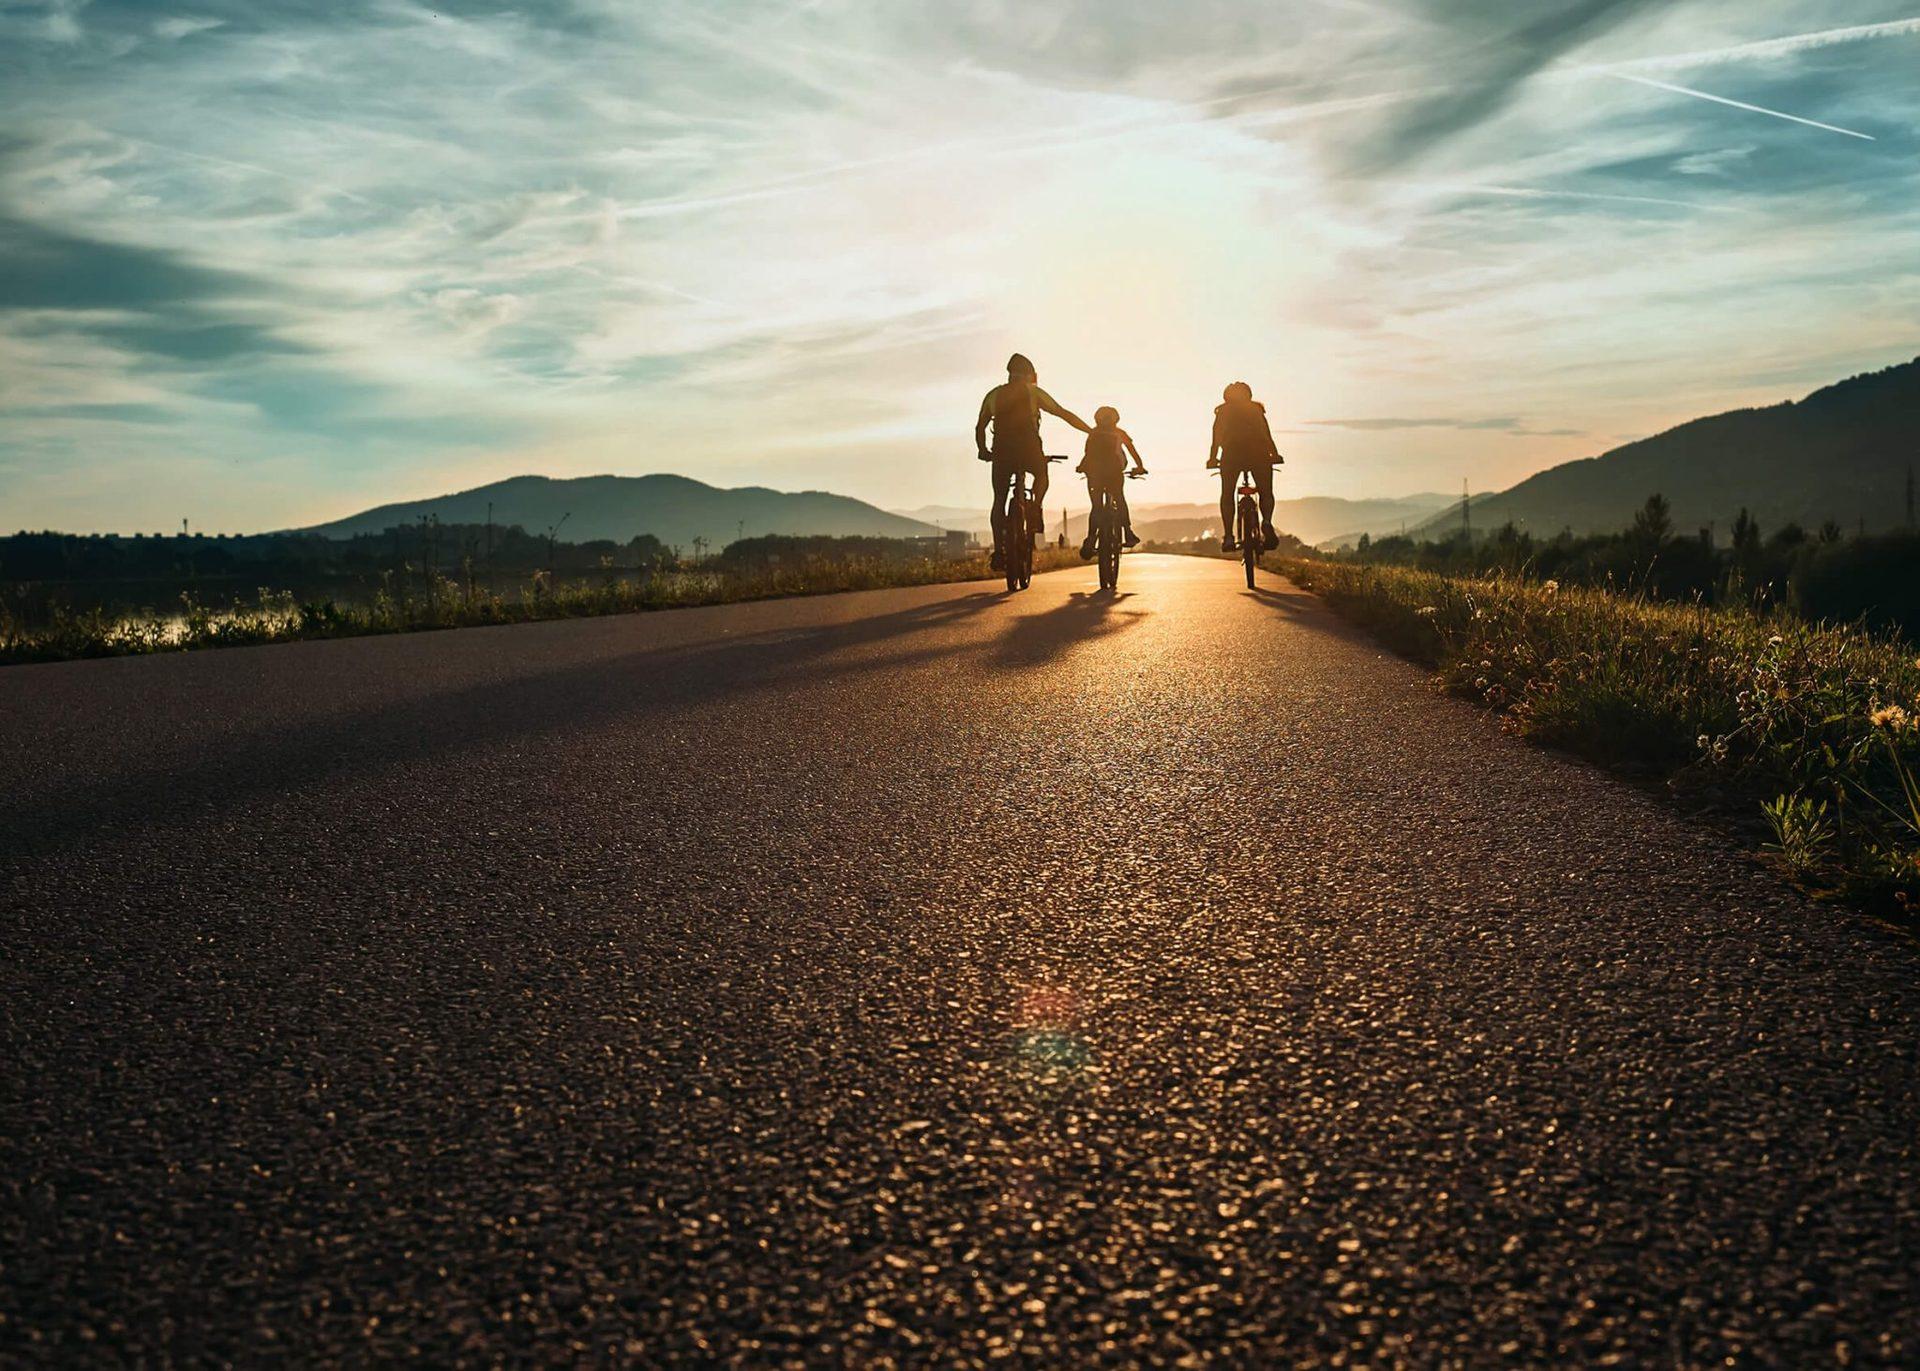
{"x":1768,"y":47}
{"x":1735,"y":104}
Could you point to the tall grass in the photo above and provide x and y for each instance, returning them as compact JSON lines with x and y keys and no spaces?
{"x":278,"y":617}
{"x":1808,"y":728}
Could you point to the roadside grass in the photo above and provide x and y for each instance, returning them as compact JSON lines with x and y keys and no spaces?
{"x":1811,"y":729}
{"x":279,"y":617}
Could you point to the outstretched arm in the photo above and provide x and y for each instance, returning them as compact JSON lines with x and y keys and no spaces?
{"x":1138,"y":464}
{"x":1052,"y":406}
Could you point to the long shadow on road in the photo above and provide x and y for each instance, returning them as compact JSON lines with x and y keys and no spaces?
{"x":1037,"y":639}
{"x":64,"y":811}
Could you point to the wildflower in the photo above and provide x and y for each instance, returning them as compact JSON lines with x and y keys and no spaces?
{"x":1550,"y":587}
{"x":1775,"y":640}
{"x":1426,"y":611}
{"x":1892,"y":718}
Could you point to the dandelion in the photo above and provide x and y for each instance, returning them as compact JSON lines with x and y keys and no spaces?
{"x":1892,"y":718}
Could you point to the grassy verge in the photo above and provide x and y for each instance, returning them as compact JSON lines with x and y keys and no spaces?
{"x":1812,"y":730}
{"x":277,"y":617}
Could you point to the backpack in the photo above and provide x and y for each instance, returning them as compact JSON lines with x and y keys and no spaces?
{"x":1016,"y":415}
{"x":1243,"y":430}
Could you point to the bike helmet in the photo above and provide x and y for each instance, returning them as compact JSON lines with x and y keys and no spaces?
{"x":1106,"y":414}
{"x":1239,"y":390}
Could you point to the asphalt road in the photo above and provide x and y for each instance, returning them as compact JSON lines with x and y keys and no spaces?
{"x":916,"y":977}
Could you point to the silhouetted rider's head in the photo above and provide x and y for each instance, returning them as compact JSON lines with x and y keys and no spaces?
{"x":1020,"y":369}
{"x":1239,"y":390}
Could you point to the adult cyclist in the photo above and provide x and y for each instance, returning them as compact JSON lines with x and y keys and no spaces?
{"x":1242,"y":442}
{"x":1014,"y":410}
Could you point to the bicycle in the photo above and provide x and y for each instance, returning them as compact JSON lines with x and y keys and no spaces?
{"x":1016,"y":532}
{"x":1108,"y":533}
{"x":1248,"y":531}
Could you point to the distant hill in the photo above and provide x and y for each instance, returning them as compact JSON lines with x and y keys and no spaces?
{"x":1842,"y":453}
{"x":1310,"y":518}
{"x":964,"y":517}
{"x":674,"y":509}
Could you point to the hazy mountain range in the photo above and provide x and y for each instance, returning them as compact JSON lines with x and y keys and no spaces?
{"x":674,"y":509}
{"x":1843,"y":453}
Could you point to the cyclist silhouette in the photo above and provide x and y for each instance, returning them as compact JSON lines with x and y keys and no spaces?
{"x":1242,"y":442}
{"x":1105,"y":467}
{"x":1014,"y":410}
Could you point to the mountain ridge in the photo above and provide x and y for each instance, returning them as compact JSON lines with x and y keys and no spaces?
{"x":675,"y":509}
{"x":1841,"y":452}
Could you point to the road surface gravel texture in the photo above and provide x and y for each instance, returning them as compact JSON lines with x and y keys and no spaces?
{"x":919,"y":977}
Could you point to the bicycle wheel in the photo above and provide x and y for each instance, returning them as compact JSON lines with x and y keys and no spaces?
{"x":1109,"y":550}
{"x":1012,"y":540}
{"x":1251,"y":540}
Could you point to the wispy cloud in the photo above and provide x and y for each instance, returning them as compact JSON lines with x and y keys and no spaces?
{"x":183,"y":26}
{"x":1492,"y":54}
{"x":1717,"y":162}
{"x":1599,"y":197}
{"x":1507,"y":424}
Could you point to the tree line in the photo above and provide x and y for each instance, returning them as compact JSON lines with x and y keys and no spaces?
{"x":1822,"y":574}
{"x":426,"y":547}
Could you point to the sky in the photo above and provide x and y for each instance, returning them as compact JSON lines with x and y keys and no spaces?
{"x":264,"y":263}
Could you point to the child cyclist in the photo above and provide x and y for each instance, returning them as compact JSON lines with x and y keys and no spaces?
{"x":1105,"y":466}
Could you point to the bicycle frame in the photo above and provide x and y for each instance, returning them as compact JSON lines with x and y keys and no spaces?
{"x":1105,"y":519}
{"x":1248,"y":531}
{"x":1016,"y":530}
{"x":1106,"y":530}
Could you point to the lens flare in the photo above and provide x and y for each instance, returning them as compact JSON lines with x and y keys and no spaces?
{"x":1049,"y":1038}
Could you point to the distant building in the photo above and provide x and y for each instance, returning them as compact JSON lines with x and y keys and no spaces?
{"x":950,"y":542}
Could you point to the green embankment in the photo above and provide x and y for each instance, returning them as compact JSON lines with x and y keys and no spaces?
{"x":1814,"y":728}
{"x":280,"y":618}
